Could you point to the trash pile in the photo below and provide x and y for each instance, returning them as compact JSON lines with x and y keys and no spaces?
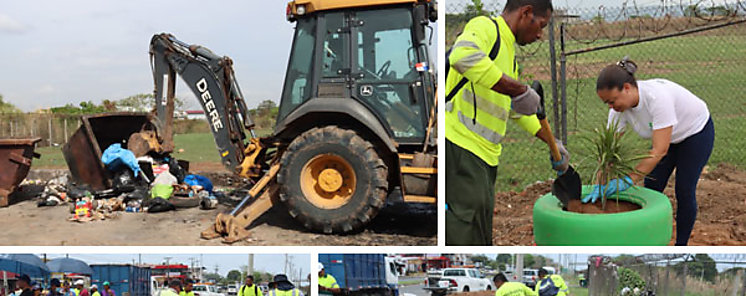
{"x":139,"y":184}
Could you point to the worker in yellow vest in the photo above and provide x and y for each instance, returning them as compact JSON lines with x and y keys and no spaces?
{"x":188,"y":289}
{"x":327,"y":283}
{"x":550,"y":284}
{"x":283,"y":287}
{"x":483,"y":92}
{"x":249,"y":288}
{"x":507,"y":288}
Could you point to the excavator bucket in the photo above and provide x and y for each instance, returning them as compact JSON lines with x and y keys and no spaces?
{"x":232,"y":226}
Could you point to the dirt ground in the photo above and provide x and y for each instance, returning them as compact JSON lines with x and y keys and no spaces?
{"x":721,"y":220}
{"x":26,"y":224}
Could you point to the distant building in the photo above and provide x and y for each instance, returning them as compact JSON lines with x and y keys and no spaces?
{"x":195,"y":114}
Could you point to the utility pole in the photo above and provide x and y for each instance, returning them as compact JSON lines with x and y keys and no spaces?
{"x":251,"y":265}
{"x":168,"y":266}
{"x":285,"y":268}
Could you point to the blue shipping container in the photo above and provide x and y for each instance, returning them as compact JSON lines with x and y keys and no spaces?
{"x":356,"y":271}
{"x":123,"y":278}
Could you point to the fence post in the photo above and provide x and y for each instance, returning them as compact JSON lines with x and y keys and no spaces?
{"x":563,"y":82}
{"x":683,"y":276}
{"x":50,"y":130}
{"x":64,"y":123}
{"x":743,"y":290}
{"x":553,"y":72}
{"x":665,"y":283}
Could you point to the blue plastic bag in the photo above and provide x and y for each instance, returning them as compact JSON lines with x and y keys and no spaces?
{"x":199,"y":180}
{"x":116,"y":156}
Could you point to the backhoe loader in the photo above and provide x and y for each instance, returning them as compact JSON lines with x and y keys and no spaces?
{"x":356,"y":121}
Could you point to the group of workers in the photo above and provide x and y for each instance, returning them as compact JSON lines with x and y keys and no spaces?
{"x":483,"y":92}
{"x":280,"y":286}
{"x":546,"y":285}
{"x":26,"y":287}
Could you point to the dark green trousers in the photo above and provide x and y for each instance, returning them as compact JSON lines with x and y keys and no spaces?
{"x":470,"y":195}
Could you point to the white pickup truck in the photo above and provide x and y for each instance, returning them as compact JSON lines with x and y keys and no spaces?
{"x":206,"y":290}
{"x":456,"y":280}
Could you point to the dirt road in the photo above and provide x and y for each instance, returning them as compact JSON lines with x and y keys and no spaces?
{"x":721,"y":220}
{"x":26,"y":224}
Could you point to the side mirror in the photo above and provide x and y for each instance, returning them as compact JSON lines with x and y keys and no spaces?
{"x":420,"y":21}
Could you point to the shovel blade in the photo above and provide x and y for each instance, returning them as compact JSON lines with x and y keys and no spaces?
{"x":567,"y":186}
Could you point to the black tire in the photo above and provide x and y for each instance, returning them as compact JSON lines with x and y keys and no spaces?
{"x":489,"y":288}
{"x":184,"y":202}
{"x":466,"y":289}
{"x":370,"y":186}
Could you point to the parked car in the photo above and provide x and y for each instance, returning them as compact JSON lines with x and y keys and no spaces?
{"x":206,"y":290}
{"x":232,"y":289}
{"x":530,"y":276}
{"x":456,"y":280}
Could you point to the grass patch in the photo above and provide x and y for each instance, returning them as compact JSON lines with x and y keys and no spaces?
{"x":198,"y":147}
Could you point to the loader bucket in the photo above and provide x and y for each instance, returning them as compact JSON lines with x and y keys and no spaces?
{"x":84,"y":148}
{"x":15,"y":161}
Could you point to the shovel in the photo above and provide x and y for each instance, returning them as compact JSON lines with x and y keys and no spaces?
{"x":567,"y":186}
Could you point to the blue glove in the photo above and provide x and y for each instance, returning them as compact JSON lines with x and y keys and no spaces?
{"x":618,"y":185}
{"x":609,"y":189}
{"x":594,"y":195}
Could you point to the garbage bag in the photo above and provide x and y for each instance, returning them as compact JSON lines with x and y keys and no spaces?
{"x":124,"y":181}
{"x":157,"y":205}
{"x":175,"y":169}
{"x":78,"y":192}
{"x":165,"y":178}
{"x":140,"y":194}
{"x":115,"y":156}
{"x":161,"y":190}
{"x":203,"y":181}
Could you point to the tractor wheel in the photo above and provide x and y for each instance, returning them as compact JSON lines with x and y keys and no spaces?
{"x":332,"y":180}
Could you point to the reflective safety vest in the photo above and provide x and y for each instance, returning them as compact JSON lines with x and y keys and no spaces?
{"x":514,"y":289}
{"x":253,"y":288}
{"x":545,"y":285}
{"x":476,"y":117}
{"x":292,"y":292}
{"x":328,"y":281}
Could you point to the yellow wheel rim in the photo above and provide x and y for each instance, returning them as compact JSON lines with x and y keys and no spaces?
{"x":328,"y":181}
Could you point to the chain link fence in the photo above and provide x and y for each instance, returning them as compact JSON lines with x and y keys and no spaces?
{"x":668,"y":275}
{"x":699,"y":45}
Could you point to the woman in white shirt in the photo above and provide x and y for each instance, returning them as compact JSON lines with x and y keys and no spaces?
{"x":680,"y":126}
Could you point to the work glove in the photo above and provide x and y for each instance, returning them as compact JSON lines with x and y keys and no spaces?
{"x":561,"y":165}
{"x":614,"y":186}
{"x":526,"y":103}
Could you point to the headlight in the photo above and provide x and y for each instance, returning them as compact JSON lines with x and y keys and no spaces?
{"x":300,"y":9}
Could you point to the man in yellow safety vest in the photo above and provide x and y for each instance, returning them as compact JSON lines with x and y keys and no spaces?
{"x":482,"y":95}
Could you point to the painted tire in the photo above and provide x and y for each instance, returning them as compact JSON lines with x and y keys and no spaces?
{"x":649,"y":226}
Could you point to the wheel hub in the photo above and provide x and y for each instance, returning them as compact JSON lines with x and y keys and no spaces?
{"x":328,"y":181}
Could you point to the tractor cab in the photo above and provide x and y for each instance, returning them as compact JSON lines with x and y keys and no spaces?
{"x":372,"y":52}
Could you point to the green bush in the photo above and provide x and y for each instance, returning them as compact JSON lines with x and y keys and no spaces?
{"x":629,"y":278}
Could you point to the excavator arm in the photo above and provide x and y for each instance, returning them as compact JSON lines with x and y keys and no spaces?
{"x":212,"y":80}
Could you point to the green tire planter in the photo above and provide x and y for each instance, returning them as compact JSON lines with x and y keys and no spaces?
{"x":649,"y":226}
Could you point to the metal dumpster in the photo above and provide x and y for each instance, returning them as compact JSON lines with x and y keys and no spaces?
{"x":15,"y":160}
{"x":96,"y":133}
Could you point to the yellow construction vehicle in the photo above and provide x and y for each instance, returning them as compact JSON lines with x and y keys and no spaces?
{"x":355,"y":128}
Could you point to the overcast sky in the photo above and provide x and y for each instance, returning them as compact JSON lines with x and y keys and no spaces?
{"x":55,"y":52}
{"x":58,"y":52}
{"x":262,"y":262}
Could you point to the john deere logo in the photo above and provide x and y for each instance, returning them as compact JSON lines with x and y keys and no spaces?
{"x":366,"y":90}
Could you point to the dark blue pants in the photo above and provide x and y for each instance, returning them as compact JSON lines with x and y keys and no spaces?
{"x":688,"y":157}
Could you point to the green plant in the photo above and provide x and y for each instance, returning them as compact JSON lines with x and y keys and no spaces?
{"x":612,"y":156}
{"x":629,"y":278}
